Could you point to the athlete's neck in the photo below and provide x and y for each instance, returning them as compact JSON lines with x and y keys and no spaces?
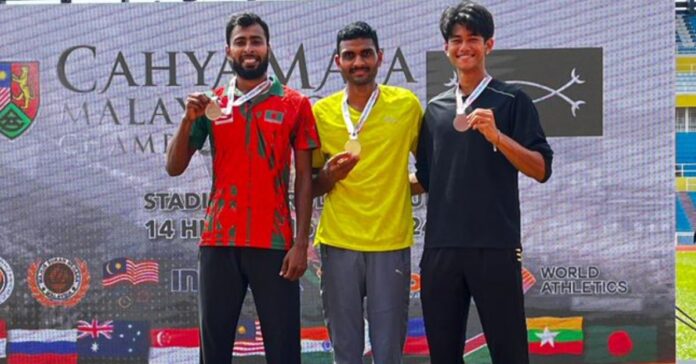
{"x":245,"y":85}
{"x":468,"y":80}
{"x":358,"y":95}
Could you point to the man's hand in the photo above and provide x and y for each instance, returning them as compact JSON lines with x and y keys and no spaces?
{"x":179,"y":151}
{"x":295,"y":262}
{"x":338,"y":167}
{"x":416,"y":187}
{"x":334,"y":170}
{"x":195,"y":106}
{"x":529,"y":162}
{"x":483,"y":120}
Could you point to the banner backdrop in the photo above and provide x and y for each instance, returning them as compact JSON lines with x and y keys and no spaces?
{"x":98,"y":246}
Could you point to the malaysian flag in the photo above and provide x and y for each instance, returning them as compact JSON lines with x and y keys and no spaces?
{"x":126,"y":270}
{"x":5,"y":84}
{"x":249,"y":339}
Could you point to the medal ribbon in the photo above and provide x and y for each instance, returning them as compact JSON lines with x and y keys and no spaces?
{"x":232,"y":88}
{"x":462,"y":106}
{"x":232,"y":102}
{"x":352,"y":129}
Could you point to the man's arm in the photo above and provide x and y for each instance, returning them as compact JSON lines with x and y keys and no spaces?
{"x":303,"y":195}
{"x":295,"y":262}
{"x":417,"y":144}
{"x":322,"y":183}
{"x":179,"y":152}
{"x":529,"y":162}
{"x":420,"y":181}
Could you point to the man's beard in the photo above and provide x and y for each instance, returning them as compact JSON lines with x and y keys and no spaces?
{"x":250,"y":74}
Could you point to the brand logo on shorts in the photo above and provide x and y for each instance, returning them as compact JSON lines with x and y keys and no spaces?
{"x":58,"y":281}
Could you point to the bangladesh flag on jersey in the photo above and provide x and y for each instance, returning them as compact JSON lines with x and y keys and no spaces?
{"x":555,"y":335}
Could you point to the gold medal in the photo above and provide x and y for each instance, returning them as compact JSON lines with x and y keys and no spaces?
{"x":352,"y":146}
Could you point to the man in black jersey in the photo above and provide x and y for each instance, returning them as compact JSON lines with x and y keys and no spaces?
{"x":470,"y":151}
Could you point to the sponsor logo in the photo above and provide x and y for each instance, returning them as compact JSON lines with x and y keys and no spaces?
{"x":19,"y":97}
{"x":580,"y":281}
{"x":6,"y":281}
{"x":566,"y":85}
{"x":528,"y":279}
{"x":58,"y":281}
{"x":125,"y":302}
{"x":184,"y":280}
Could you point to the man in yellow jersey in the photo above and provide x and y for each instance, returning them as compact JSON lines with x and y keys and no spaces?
{"x":366,"y":227}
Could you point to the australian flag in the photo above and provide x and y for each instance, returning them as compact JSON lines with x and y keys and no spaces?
{"x":113,"y":341}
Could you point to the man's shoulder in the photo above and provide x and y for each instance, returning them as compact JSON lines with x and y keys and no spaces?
{"x":290,"y":93}
{"x":504,"y":89}
{"x":446,"y":96}
{"x":399,"y":95}
{"x":330,"y":102}
{"x":397,"y":92}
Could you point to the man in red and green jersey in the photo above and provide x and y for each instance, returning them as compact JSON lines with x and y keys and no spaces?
{"x":253,"y":124}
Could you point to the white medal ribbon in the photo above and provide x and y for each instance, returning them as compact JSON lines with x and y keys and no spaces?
{"x":226,"y":116}
{"x":354,"y":130}
{"x":460,"y":123}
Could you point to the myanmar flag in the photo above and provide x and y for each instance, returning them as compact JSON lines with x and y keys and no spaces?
{"x":621,"y":344}
{"x":555,"y":335}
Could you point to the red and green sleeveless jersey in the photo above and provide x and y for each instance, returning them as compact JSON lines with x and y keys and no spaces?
{"x":249,"y":204}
